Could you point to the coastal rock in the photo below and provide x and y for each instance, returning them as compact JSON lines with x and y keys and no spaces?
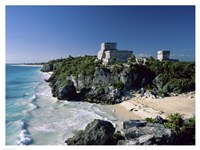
{"x":133,"y":123}
{"x":103,"y":95}
{"x":104,"y":84}
{"x":151,"y":134}
{"x":159,"y":81}
{"x":50,"y":78}
{"x":64,"y":91}
{"x":52,"y":65}
{"x":159,"y":119}
{"x":47,"y":67}
{"x":149,"y":94}
{"x":97,"y":132}
{"x":104,"y":76}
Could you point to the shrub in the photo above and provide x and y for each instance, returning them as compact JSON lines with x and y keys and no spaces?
{"x":119,"y":85}
{"x":183,"y":129}
{"x":101,"y":90}
{"x":151,"y":120}
{"x":166,"y":88}
{"x":131,"y":59}
{"x":113,"y":60}
{"x":175,"y":122}
{"x":118,"y":68}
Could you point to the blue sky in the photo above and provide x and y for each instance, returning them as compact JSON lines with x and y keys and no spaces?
{"x":42,"y":33}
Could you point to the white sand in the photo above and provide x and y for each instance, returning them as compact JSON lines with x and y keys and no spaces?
{"x":140,"y":107}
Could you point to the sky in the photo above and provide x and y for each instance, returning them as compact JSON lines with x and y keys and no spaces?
{"x":42,"y":33}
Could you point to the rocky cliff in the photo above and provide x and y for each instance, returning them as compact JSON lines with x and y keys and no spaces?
{"x":137,"y":132}
{"x":86,"y":79}
{"x":90,"y":81}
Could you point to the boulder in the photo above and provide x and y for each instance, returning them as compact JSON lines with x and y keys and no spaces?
{"x":151,"y":134}
{"x":133,"y":123}
{"x":97,"y":132}
{"x":50,"y":78}
{"x":159,"y":119}
{"x":65,"y":91}
{"x":149,"y":94}
{"x":160,"y":81}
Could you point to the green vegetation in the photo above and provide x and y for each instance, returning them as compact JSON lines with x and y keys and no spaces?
{"x":76,"y":65}
{"x":178,"y":77}
{"x":116,"y":137}
{"x":113,"y":60}
{"x":119,"y":85}
{"x":131,"y":59}
{"x":175,"y":122}
{"x":101,"y":90}
{"x":118,"y":68}
{"x":184,"y":129}
{"x":151,"y":120}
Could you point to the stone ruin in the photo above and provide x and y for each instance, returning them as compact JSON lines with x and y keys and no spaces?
{"x":109,"y":51}
{"x":163,"y":55}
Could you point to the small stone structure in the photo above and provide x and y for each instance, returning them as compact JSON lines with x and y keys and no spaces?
{"x":163,"y":55}
{"x":109,"y":51}
{"x":142,"y":60}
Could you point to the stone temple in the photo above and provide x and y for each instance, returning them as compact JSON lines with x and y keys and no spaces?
{"x":163,"y":55}
{"x":109,"y":51}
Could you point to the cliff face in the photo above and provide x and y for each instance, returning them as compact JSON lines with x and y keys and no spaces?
{"x":106,"y":85}
{"x":86,"y":79}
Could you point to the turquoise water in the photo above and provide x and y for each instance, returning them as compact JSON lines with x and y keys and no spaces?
{"x":21,"y":83}
{"x":34,"y":117}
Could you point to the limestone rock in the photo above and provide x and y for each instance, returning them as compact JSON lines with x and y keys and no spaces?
{"x":64,"y":91}
{"x":133,"y":123}
{"x":159,"y":119}
{"x":46,"y":68}
{"x":159,"y":81}
{"x":151,"y":134}
{"x":149,"y":94}
{"x":97,"y":132}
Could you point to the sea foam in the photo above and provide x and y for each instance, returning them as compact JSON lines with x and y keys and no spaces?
{"x":24,"y":135}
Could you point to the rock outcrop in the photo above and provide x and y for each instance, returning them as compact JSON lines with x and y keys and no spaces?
{"x":94,"y":82}
{"x":159,"y":81}
{"x":106,"y":86}
{"x":150,"y":134}
{"x":64,"y":91}
{"x":97,"y":132}
{"x":134,"y":132}
{"x":48,"y":67}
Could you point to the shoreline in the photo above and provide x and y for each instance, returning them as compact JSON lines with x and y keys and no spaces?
{"x":137,"y":107}
{"x":140,"y":107}
{"x":51,"y":120}
{"x":24,"y":65}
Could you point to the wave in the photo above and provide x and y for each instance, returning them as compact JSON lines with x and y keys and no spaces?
{"x":33,"y":107}
{"x":32,"y":103}
{"x":33,"y":98}
{"x":24,"y":135}
{"x":27,"y":93}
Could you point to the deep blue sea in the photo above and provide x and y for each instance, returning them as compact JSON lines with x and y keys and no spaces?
{"x":34,"y":117}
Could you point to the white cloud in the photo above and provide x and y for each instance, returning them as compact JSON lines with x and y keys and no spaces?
{"x":143,"y":55}
{"x":181,"y":55}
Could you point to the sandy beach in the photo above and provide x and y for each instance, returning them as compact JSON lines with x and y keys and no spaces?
{"x":141,"y":107}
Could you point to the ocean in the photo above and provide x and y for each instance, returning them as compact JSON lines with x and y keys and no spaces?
{"x":34,"y":117}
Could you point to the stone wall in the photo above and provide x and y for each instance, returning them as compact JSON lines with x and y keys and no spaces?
{"x":121,"y":56}
{"x":163,"y":55}
{"x":108,"y":46}
{"x":109,"y":51}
